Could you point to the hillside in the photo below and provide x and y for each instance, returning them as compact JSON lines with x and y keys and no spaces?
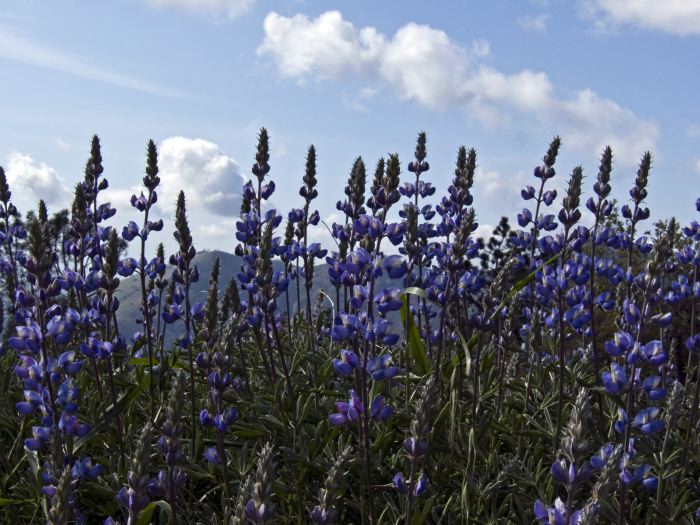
{"x":129,"y":292}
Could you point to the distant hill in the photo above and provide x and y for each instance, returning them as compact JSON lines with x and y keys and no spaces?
{"x":129,"y":291}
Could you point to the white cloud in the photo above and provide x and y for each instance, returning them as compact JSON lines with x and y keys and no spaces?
{"x":697,"y":165}
{"x":321,"y":233}
{"x":222,"y":230}
{"x":534,"y":23}
{"x":423,"y":65}
{"x":693,"y":130}
{"x":211,"y":180}
{"x":30,"y":181}
{"x":481,"y":48}
{"x":484,"y":231}
{"x":23,"y":50}
{"x":229,"y":8}
{"x":680,"y":17}
{"x":488,"y":181}
{"x":629,"y":135}
{"x":326,"y":46}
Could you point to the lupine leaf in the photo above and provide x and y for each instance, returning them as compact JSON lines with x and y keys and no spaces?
{"x":415,"y":344}
{"x":5,"y":501}
{"x":146,"y":514}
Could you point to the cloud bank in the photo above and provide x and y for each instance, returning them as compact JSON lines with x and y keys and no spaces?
{"x":424,"y":65}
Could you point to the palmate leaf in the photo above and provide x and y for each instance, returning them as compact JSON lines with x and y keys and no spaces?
{"x":413,"y":340}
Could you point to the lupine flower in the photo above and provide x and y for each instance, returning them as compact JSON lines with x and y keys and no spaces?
{"x":647,"y":420}
{"x":602,"y":457}
{"x":616,"y":379}
{"x":621,"y":422}
{"x":134,"y":496}
{"x":347,"y":363}
{"x":349,"y":411}
{"x":172,"y":479}
{"x":381,"y":368}
{"x":401,"y":485}
{"x":556,"y":515}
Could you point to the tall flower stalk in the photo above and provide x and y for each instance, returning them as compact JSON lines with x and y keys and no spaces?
{"x":184,"y":275}
{"x":143,"y":204}
{"x":600,"y":208}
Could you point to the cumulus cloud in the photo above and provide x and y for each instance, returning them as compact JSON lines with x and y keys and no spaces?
{"x":229,"y":8}
{"x":325,"y":47}
{"x":629,"y":135}
{"x":30,"y":181}
{"x":680,"y":17}
{"x":534,"y":23}
{"x":211,"y":180}
{"x":423,"y":65}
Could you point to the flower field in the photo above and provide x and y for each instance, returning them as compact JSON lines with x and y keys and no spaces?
{"x":405,"y":372}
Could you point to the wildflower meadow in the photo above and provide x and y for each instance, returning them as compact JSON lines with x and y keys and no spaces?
{"x":404,"y":372}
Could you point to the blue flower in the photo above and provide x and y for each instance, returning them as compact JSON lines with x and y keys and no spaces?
{"x":616,"y":379}
{"x":655,"y":353}
{"x":551,"y":515}
{"x":258,"y":513}
{"x":415,"y":447}
{"x":349,"y":411}
{"x":212,"y":456}
{"x":127,"y":267}
{"x":652,"y":385}
{"x":400,"y":483}
{"x":128,"y":498}
{"x":421,"y":485}
{"x":562,"y":474}
{"x":646,"y":420}
{"x":381,"y":368}
{"x":348,"y":362}
{"x":395,"y":266}
{"x":388,"y":300}
{"x":379,"y":410}
{"x":621,"y":345}
{"x":601,"y":458}
{"x":642,"y":474}
{"x":621,"y":423}
{"x":631,"y":313}
{"x":67,"y":396}
{"x":83,"y":469}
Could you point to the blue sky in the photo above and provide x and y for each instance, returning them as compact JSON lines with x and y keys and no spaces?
{"x":200,"y":77}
